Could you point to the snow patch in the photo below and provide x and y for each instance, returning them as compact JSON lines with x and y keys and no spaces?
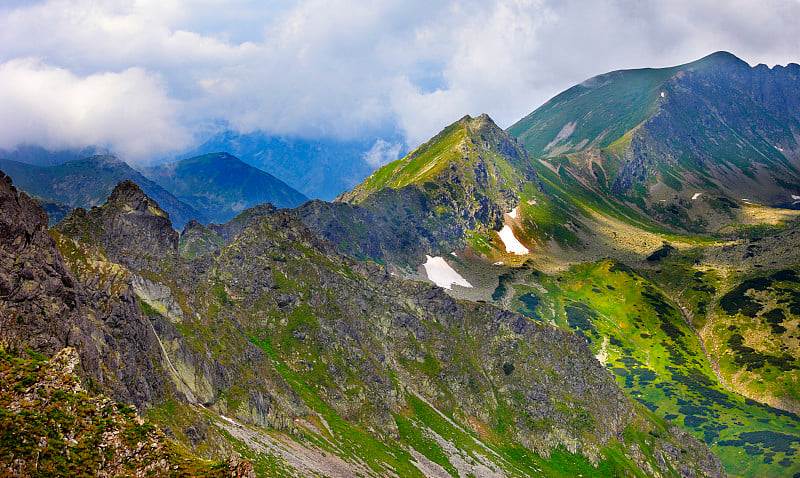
{"x":513,"y":213}
{"x":602,"y":354}
{"x":498,"y":263}
{"x":513,"y":246}
{"x":663,"y":95}
{"x":454,"y":254}
{"x":441,"y":274}
{"x":795,"y":198}
{"x":696,"y":195}
{"x":566,"y":132}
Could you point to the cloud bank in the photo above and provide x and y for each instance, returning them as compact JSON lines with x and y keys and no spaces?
{"x":146,"y":77}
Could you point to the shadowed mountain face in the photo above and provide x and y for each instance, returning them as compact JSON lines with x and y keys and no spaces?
{"x":46,"y":305}
{"x":318,"y":168}
{"x":222,"y":186}
{"x":88,"y":182}
{"x":715,"y":126}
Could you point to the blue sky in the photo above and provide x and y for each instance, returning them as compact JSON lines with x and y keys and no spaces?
{"x":149,"y":77}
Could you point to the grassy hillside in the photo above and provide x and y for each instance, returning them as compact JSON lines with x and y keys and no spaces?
{"x":646,"y":341}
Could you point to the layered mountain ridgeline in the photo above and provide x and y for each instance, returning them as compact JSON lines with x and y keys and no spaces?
{"x":222,"y":186}
{"x":320,"y":168}
{"x":443,"y":195}
{"x":685,"y":144}
{"x":279,"y":337}
{"x":41,"y":156}
{"x":88,"y":182}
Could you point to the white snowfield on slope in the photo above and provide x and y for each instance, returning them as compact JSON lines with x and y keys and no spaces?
{"x":441,"y":274}
{"x":513,"y":246}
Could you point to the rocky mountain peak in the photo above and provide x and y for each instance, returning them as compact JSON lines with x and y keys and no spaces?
{"x":130,"y":226}
{"x":129,"y":193}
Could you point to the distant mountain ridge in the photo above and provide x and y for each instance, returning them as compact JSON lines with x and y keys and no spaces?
{"x":221,"y":185}
{"x":321,"y":168}
{"x":89,"y":181}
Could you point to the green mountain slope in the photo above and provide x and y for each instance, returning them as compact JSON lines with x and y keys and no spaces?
{"x":221,"y":185}
{"x":640,"y":335}
{"x":52,"y":427}
{"x":695,"y":324}
{"x":473,"y":151}
{"x":672,"y":142}
{"x":278,"y":336}
{"x":88,"y":182}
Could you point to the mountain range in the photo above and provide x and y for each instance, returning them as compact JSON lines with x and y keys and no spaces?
{"x":212,"y":187}
{"x":222,"y":186}
{"x":611,"y":287}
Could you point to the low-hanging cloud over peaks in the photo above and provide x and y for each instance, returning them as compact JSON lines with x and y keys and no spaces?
{"x":55,"y":108}
{"x":144,"y":77}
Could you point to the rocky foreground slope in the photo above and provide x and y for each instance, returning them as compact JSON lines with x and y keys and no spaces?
{"x":281,"y":348}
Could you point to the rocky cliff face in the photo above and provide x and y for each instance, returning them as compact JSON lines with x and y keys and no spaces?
{"x":45,"y":306}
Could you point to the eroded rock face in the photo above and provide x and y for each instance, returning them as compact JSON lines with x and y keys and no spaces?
{"x":45,"y":307}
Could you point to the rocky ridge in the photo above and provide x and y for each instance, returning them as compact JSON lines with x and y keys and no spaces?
{"x":461,"y":182}
{"x":277,"y":329}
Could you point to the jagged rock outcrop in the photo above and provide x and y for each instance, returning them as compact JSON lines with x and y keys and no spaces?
{"x":44,"y":306}
{"x":131,"y":228}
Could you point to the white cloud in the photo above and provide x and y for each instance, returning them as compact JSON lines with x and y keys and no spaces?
{"x":381,"y":153}
{"x":129,"y":110}
{"x":346,"y":68}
